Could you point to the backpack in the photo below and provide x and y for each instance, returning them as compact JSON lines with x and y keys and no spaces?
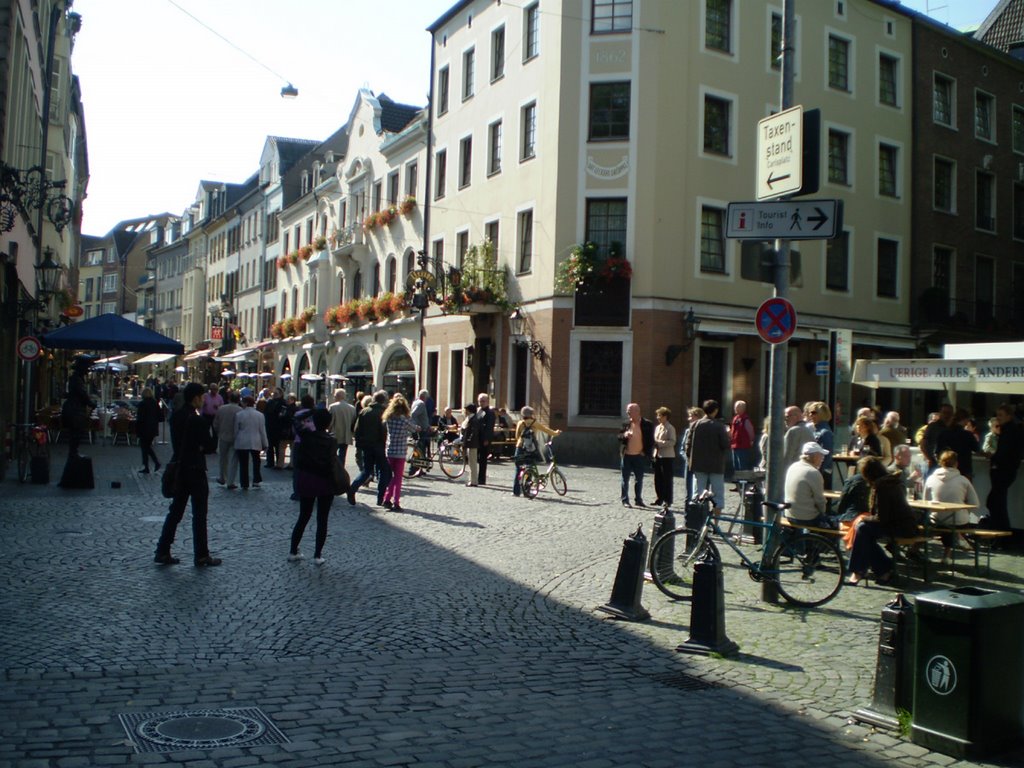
{"x":527,"y":443}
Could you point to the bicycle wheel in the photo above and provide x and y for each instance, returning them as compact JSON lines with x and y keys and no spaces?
{"x":413,"y":461}
{"x":452,"y":459}
{"x":672,"y":559}
{"x":530,"y":481}
{"x":808,"y":569}
{"x":558,"y":484}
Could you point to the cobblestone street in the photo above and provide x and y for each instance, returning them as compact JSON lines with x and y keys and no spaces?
{"x":459,"y":632}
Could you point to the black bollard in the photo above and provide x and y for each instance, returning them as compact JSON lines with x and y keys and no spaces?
{"x":629,"y":580}
{"x":894,"y":669}
{"x":664,"y":522}
{"x":707,"y":610}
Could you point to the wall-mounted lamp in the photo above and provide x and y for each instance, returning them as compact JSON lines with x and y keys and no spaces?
{"x":520,"y":337}
{"x":690,"y":325}
{"x":289,"y":92}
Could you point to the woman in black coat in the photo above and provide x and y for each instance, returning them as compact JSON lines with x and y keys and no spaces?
{"x":313,"y":461}
{"x":147,"y":426}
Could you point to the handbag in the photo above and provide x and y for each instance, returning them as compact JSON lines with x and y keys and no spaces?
{"x":339,"y":477}
{"x":169,"y":480}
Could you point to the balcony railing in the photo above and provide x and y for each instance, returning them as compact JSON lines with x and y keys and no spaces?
{"x":937,"y":309}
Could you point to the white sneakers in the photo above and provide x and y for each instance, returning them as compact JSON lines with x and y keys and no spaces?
{"x":296,"y":556}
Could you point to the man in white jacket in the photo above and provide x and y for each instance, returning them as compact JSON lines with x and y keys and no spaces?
{"x":805,"y":487}
{"x":343,"y":416}
{"x":250,"y":439}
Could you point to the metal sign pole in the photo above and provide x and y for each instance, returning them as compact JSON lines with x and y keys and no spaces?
{"x":775,"y":482}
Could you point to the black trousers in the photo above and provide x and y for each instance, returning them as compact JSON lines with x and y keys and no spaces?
{"x":193,"y":486}
{"x":997,"y":503}
{"x":146,"y":444}
{"x":663,"y":479}
{"x":243,"y":467}
{"x":323,"y":509}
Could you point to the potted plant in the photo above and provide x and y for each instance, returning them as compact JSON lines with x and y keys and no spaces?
{"x":384,"y":217}
{"x":308,"y":313}
{"x":397,"y":303}
{"x":320,"y":243}
{"x":364,"y":309}
{"x":288,"y":327}
{"x":370,"y":221}
{"x":407,"y":205}
{"x":577,"y":271}
{"x":616,"y":268}
{"x":305,"y":252}
{"x":276,"y":331}
{"x":300,"y":324}
{"x":282,"y":262}
{"x":343,"y":314}
{"x":293,"y":258}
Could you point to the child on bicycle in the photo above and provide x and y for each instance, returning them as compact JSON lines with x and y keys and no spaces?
{"x":527,"y":450}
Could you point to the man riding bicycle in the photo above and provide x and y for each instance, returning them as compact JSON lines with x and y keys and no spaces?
{"x":527,"y":446}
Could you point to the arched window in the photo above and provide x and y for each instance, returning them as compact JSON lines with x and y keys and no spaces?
{"x":392,"y":274}
{"x":295,"y":301}
{"x":341,"y":288}
{"x":357,"y":285}
{"x":408,"y":263}
{"x":283,"y":305}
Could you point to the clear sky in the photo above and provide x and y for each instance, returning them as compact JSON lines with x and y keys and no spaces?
{"x":168,"y":103}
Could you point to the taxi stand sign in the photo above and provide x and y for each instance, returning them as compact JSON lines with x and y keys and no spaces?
{"x":780,"y":153}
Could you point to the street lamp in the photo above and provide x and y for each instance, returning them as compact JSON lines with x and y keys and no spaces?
{"x":690,"y":325}
{"x":521,"y":337}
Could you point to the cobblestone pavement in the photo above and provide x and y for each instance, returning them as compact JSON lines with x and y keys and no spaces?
{"x":459,"y":632}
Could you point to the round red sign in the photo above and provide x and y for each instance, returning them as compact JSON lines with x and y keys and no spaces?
{"x":775,"y":320}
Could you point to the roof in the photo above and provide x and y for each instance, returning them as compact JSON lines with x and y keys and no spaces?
{"x":1003,"y":28}
{"x":394,"y":116}
{"x":290,"y":151}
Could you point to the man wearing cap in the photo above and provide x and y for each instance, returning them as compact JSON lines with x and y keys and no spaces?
{"x":189,"y":436}
{"x":805,"y":487}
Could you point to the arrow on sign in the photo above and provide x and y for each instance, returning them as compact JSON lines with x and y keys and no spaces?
{"x":772,"y":179}
{"x":820,"y":216}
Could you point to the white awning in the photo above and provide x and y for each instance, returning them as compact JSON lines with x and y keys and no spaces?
{"x":198,"y":355}
{"x":996,"y":376}
{"x":109,"y":359}
{"x":154,"y":359}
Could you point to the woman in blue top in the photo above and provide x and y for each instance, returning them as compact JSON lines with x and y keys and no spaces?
{"x":819,"y":414}
{"x":399,"y":425}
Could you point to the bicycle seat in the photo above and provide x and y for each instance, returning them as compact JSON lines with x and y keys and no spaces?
{"x":778,"y":506}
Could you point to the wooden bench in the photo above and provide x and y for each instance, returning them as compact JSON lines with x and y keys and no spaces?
{"x":979,"y":539}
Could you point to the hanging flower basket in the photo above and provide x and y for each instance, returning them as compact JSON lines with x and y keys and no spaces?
{"x":578,"y":270}
{"x":305,"y":252}
{"x":406,"y":206}
{"x":385,"y":217}
{"x":293,"y":258}
{"x":282,"y":262}
{"x":370,"y":221}
{"x":320,"y":243}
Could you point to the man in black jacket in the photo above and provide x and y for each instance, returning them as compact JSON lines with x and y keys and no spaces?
{"x":1003,"y":468}
{"x":190,"y":436}
{"x":485,"y":419}
{"x":371,"y":438}
{"x":637,"y":441}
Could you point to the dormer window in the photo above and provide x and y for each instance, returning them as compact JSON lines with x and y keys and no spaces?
{"x":305,"y":182}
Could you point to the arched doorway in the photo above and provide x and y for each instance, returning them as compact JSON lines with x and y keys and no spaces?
{"x":400,"y":374}
{"x":358,"y":372}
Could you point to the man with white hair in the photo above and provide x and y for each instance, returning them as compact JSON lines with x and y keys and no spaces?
{"x":420,"y":415}
{"x":343,"y":417}
{"x":798,"y":433}
{"x":805,"y":487}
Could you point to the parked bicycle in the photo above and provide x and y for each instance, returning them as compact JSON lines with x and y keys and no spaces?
{"x":30,"y":441}
{"x":533,"y":480}
{"x":807,"y":567}
{"x":449,"y":454}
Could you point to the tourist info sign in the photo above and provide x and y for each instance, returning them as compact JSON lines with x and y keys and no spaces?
{"x":780,"y":153}
{"x":790,"y":220}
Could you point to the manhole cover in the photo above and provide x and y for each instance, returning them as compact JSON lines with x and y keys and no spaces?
{"x":200,"y":729}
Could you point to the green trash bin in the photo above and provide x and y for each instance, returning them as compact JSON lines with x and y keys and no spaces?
{"x":968,"y":671}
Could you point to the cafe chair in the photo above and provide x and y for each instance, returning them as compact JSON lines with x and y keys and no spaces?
{"x":121,"y":427}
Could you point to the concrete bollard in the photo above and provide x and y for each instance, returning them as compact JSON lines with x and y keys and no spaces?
{"x":629,"y":580}
{"x":894,"y":669}
{"x":707,"y":610}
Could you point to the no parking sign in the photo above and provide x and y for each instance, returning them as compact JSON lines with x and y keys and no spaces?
{"x":775,"y":320}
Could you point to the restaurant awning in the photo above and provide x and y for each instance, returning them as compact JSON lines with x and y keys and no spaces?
{"x":154,"y":359}
{"x":198,"y":355}
{"x":1004,"y":376}
{"x":113,"y":359}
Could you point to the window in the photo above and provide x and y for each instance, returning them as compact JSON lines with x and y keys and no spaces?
{"x":716,"y":125}
{"x":718,"y":25}
{"x":437,"y":252}
{"x":838,"y":156}
{"x":837,"y":263}
{"x":606,"y":226}
{"x":887,"y":268}
{"x":110,"y":283}
{"x":984,"y":109}
{"x":376,"y":280}
{"x":393,"y":187}
{"x":411,"y":171}
{"x":942,"y":271}
{"x":440,"y":169}
{"x":945,"y":185}
{"x":531,"y":31}
{"x":984,"y":288}
{"x":377,"y":194}
{"x":712,"y":240}
{"x":494,"y":148}
{"x":109,"y":307}
{"x":1017,"y":293}
{"x":442,"y":90}
{"x":455,"y":379}
{"x":461,"y":248}
{"x":888,"y":79}
{"x":775,"y":42}
{"x":491,"y":230}
{"x":529,"y":136}
{"x":465,"y":161}
{"x":611,"y":16}
{"x":984,"y":201}
{"x":600,"y":378}
{"x":1017,"y":128}
{"x":1018,"y":211}
{"x":525,"y":241}
{"x":468,"y":73}
{"x":88,"y":289}
{"x":943,"y":98}
{"x":497,"y":54}
{"x":609,"y":111}
{"x":888,"y":156}
{"x":838,"y":63}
